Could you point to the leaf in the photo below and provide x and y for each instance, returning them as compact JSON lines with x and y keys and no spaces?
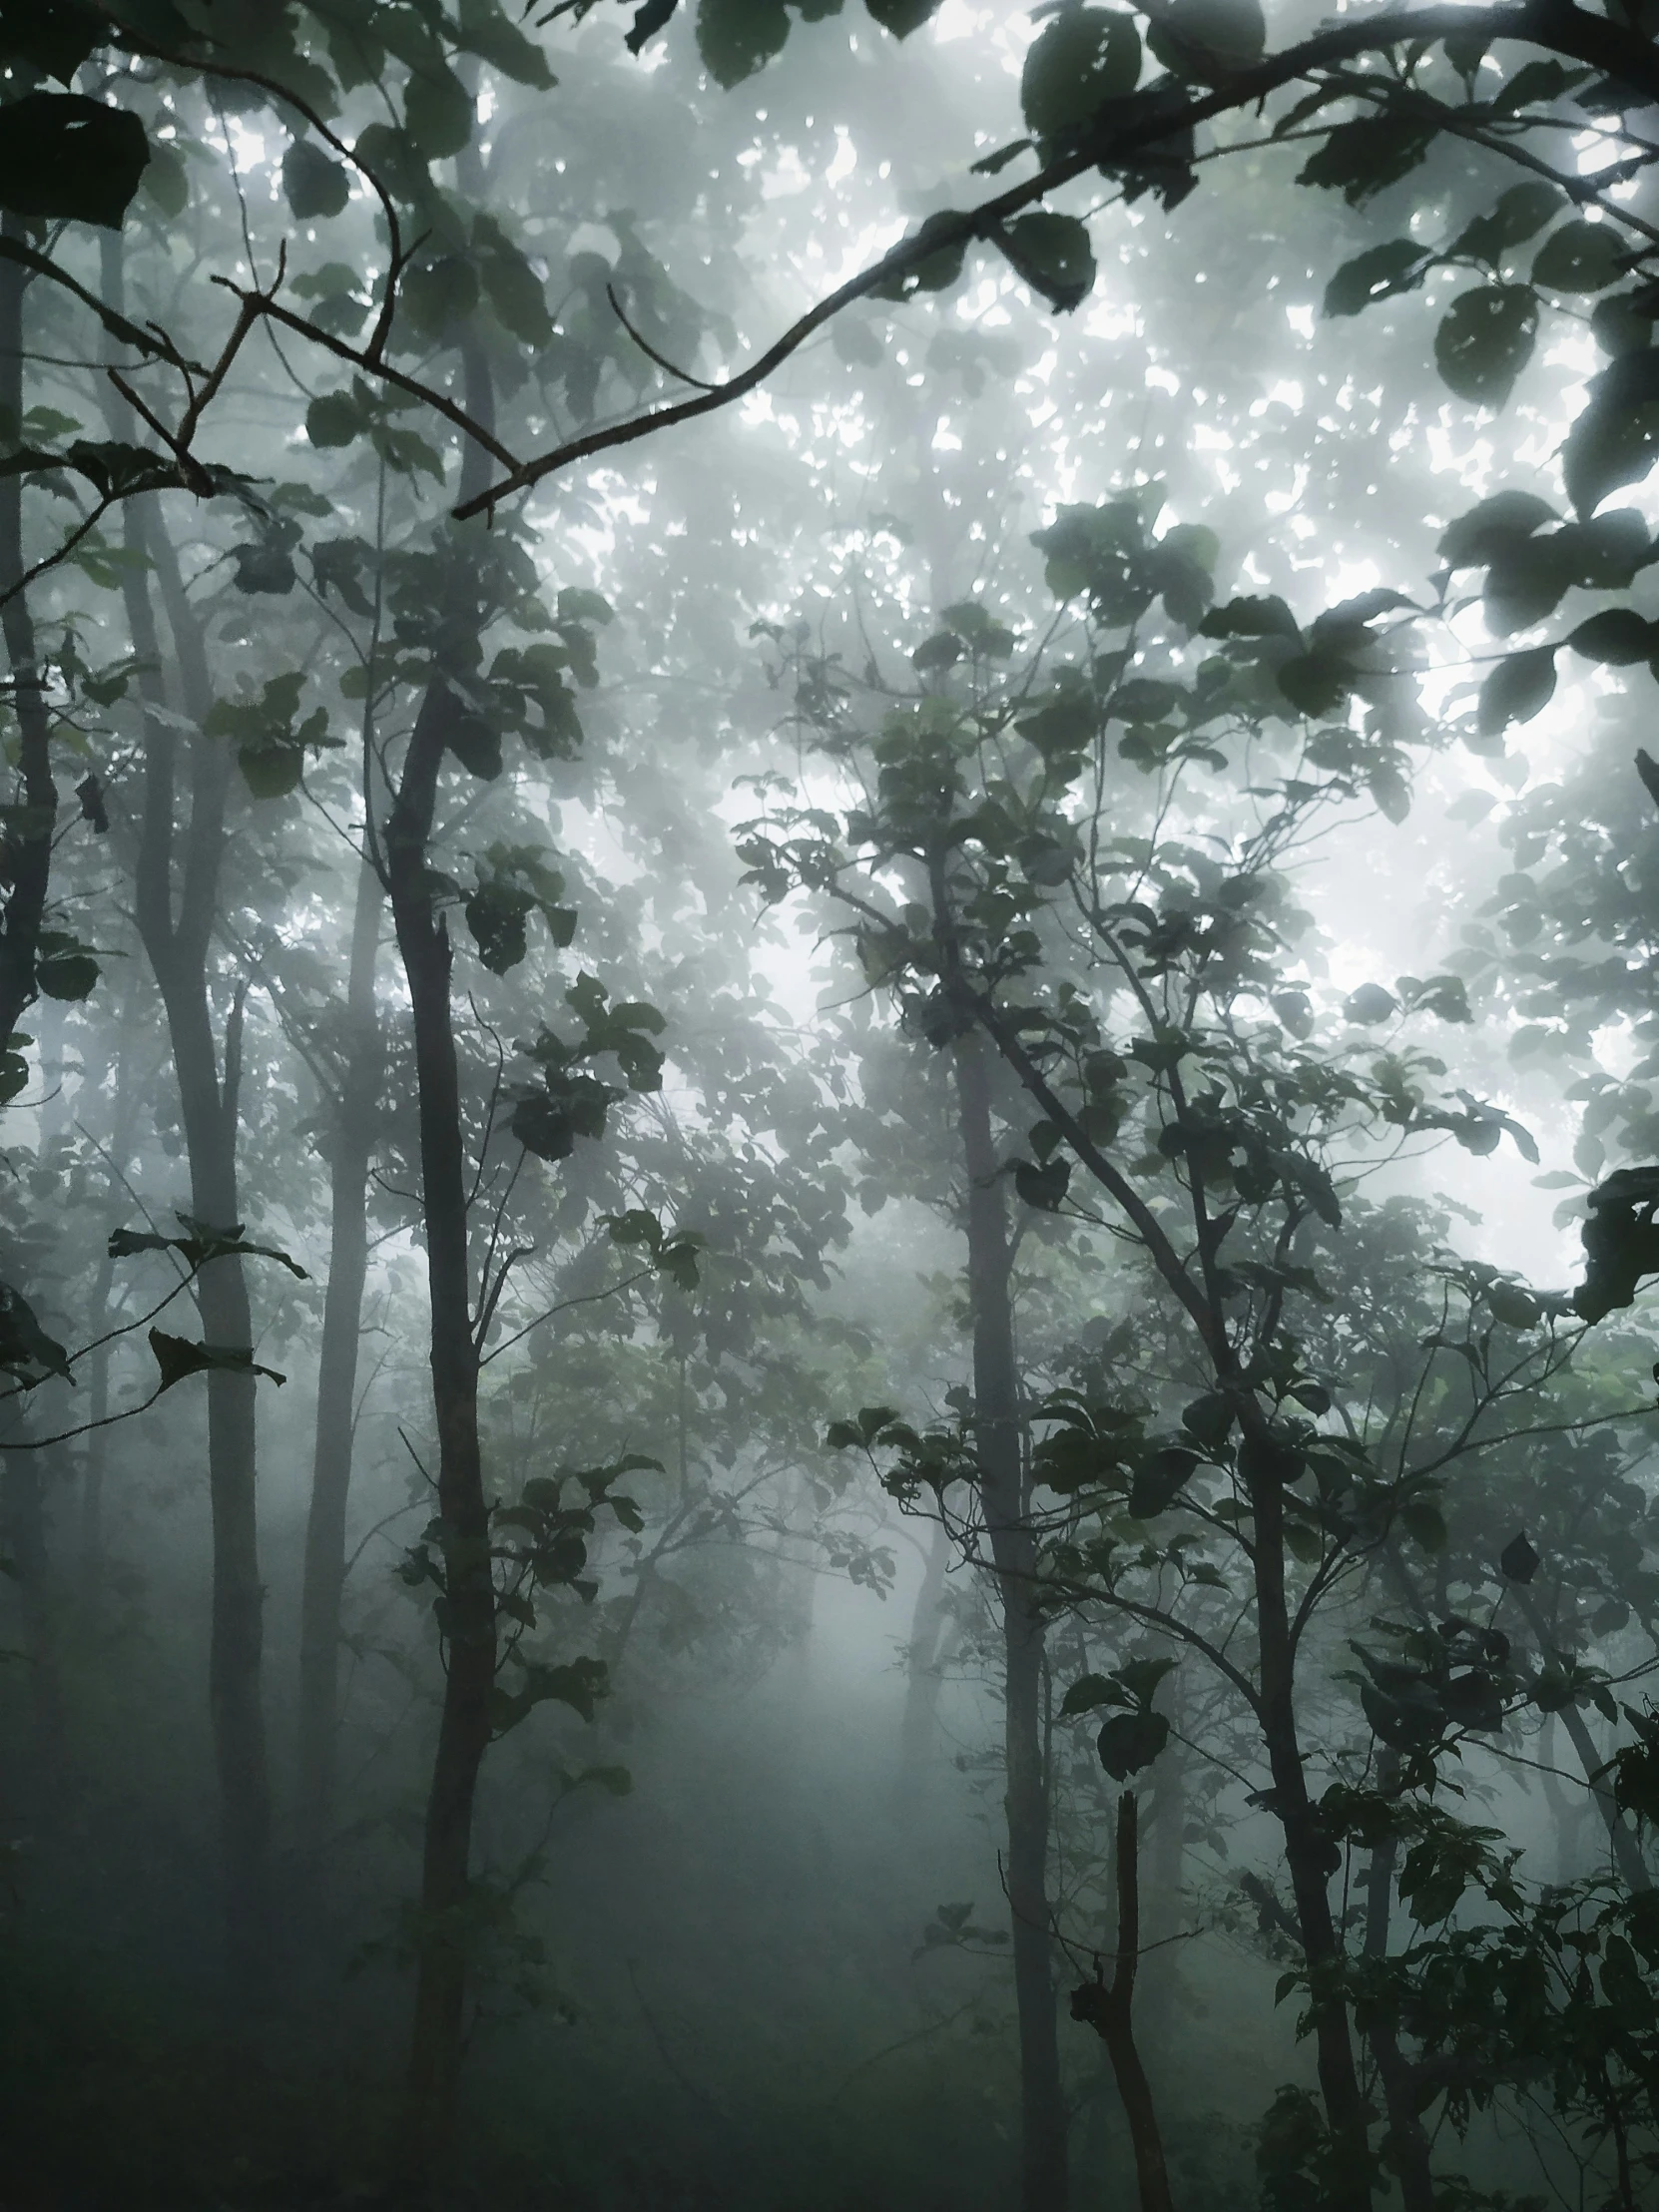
{"x":1618,"y":638}
{"x":1579,"y":257}
{"x":439,"y":111}
{"x":1250,"y":618}
{"x":1370,"y":1003}
{"x":1518,"y":1562}
{"x":1159,"y":1479}
{"x":53,"y":36}
{"x":1486,"y":339}
{"x":1521,"y":213}
{"x":902,"y":17}
{"x":1051,"y":254}
{"x":178,"y":1357}
{"x":27,"y":1353}
{"x":1512,"y":1304}
{"x":1359,"y":159}
{"x":737,"y":37}
{"x":64,"y":968}
{"x":1082,"y":56}
{"x":335,"y":419}
{"x":1089,"y":1691}
{"x":1615,"y":441}
{"x":1379,"y":273}
{"x":63,"y":155}
{"x":1042,"y":1187}
{"x":312,"y":184}
{"x":1518,"y":689}
{"x":1497,"y":524}
{"x":1315,"y":684}
{"x":1130,"y":1741}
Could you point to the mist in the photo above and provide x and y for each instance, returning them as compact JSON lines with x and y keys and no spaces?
{"x":829,"y":899}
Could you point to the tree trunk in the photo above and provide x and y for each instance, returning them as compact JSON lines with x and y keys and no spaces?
{"x":997,"y":1431}
{"x":466,"y":1617}
{"x":28,"y":842}
{"x":922,"y":1654}
{"x":1406,"y":2147}
{"x":1622,"y":1838}
{"x":1307,"y":1852}
{"x":1109,"y":2009}
{"x":178,"y":943}
{"x":353,"y":1146}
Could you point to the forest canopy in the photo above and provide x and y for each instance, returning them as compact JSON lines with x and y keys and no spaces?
{"x":827,"y":1048}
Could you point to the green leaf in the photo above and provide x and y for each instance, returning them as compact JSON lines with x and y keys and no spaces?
{"x":1615,"y":441}
{"x":1521,"y":213}
{"x":64,"y":968}
{"x":439,"y":111}
{"x":902,"y":17}
{"x":1370,"y":1003}
{"x":1579,"y":257}
{"x":1486,"y":339}
{"x":63,"y":155}
{"x":27,"y":1353}
{"x":1089,"y":1691}
{"x":1159,"y":1479}
{"x":312,"y":184}
{"x":335,"y":419}
{"x":178,"y":1357}
{"x":1617,"y":638}
{"x":1250,"y":618}
{"x":1051,"y":254}
{"x":1130,"y":1741}
{"x":1379,"y":273}
{"x":515,"y":293}
{"x":1518,"y":1562}
{"x":1081,"y":57}
{"x":734,"y":38}
{"x":166,"y":180}
{"x":53,"y":36}
{"x":1359,"y":159}
{"x":1518,"y":689}
{"x":485,"y":30}
{"x":1503,"y":520}
{"x":1509,"y":1304}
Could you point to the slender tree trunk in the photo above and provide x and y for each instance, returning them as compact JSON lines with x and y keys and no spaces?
{"x":353,"y":1146}
{"x":1109,"y":2009}
{"x":469,"y":1616}
{"x":120,"y":1149}
{"x":177,"y":935}
{"x":1622,"y":1838}
{"x":999,"y":1436}
{"x":28,"y":842}
{"x":1168,"y":1860}
{"x":34,"y":1783}
{"x":1406,"y":2148}
{"x":1307,"y":1852}
{"x":468,"y":1620}
{"x":922,"y":1671}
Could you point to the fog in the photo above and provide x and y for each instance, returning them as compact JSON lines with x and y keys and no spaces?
{"x":828,"y":913}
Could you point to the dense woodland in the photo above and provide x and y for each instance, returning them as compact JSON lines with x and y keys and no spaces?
{"x":828,"y":1106}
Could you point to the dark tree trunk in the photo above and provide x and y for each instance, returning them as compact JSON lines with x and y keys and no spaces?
{"x":1406,"y":2148}
{"x":1109,"y":2009}
{"x":29,"y":837}
{"x":352,"y":1144}
{"x":1621,"y":1837}
{"x":1307,"y":1852}
{"x":922,"y":1654}
{"x":998,"y":1438}
{"x":176,"y":930}
{"x":468,"y":1620}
